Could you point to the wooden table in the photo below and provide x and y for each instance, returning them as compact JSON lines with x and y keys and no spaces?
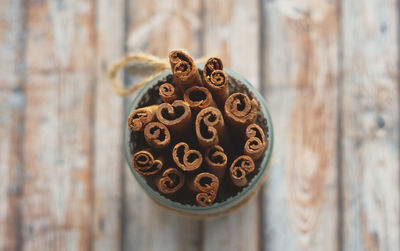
{"x":329,"y":71}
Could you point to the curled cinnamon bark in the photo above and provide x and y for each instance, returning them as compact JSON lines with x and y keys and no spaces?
{"x":255,"y":143}
{"x":175,"y":116}
{"x":157,"y":135}
{"x":145,"y":164}
{"x":240,"y":110}
{"x":185,"y":158}
{"x":213,"y":63}
{"x":168,"y":93}
{"x":198,"y":98}
{"x":140,"y":117}
{"x":216,"y":160}
{"x":216,"y":79}
{"x":206,"y":185}
{"x":209,"y":127}
{"x":240,"y":167}
{"x":184,"y":70}
{"x":170,"y":181}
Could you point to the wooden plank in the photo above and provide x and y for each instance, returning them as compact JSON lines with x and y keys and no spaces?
{"x":58,"y":135}
{"x":11,"y":121}
{"x":301,"y":72}
{"x":370,"y":110}
{"x":108,"y":129}
{"x":156,"y":27}
{"x":231,"y":30}
{"x":236,"y":231}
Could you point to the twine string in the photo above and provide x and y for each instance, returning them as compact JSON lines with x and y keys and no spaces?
{"x":159,"y":65}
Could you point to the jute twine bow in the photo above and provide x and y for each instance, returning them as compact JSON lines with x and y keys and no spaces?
{"x":139,"y":58}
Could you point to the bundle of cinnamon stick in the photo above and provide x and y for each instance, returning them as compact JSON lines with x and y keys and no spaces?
{"x":202,"y":144}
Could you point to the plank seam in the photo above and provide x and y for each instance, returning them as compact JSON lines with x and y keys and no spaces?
{"x":21,"y":86}
{"x":339,"y":143}
{"x":398,"y":85}
{"x":261,"y":62}
{"x":124,"y":110}
{"x":92,"y":115}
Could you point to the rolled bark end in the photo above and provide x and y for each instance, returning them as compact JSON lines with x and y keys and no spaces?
{"x":140,"y":117}
{"x":212,"y":64}
{"x":216,"y":160}
{"x":144,"y":163}
{"x":157,"y":135}
{"x":209,"y":127}
{"x":175,"y":116}
{"x":198,"y":98}
{"x":216,"y":79}
{"x":184,"y":70}
{"x":206,"y":185}
{"x":205,"y":199}
{"x":168,"y":93}
{"x":185,"y":158}
{"x":170,"y":181}
{"x":255,"y":142}
{"x":240,"y":168}
{"x":240,"y":110}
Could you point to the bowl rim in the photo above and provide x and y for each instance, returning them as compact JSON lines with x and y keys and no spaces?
{"x":217,"y":207}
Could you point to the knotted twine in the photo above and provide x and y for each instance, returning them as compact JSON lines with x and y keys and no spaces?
{"x":158,"y":64}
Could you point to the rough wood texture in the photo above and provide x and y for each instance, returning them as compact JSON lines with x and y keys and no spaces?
{"x":58,"y":137}
{"x":301,"y":75}
{"x":11,"y":122}
{"x":157,"y":27}
{"x":329,"y":71}
{"x":108,"y":129}
{"x":231,"y":30}
{"x":370,"y":144}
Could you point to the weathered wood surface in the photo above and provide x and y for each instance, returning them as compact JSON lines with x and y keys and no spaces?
{"x":108,"y":114}
{"x":370,"y":113}
{"x":301,"y":73}
{"x":328,"y":70}
{"x":58,"y":137}
{"x":231,"y":30}
{"x":156,"y":27}
{"x":12,"y":101}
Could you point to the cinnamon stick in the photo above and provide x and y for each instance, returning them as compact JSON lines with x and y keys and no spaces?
{"x":198,"y":98}
{"x":184,"y":70}
{"x":240,"y":110}
{"x":206,"y":186}
{"x":176,"y":116}
{"x":157,"y":135}
{"x":216,"y":160}
{"x":216,"y":79}
{"x":140,"y":117}
{"x":145,"y":164}
{"x":241,"y":166}
{"x":168,"y":93}
{"x":170,"y":181}
{"x":255,"y":143}
{"x":185,"y":158}
{"x":210,"y":127}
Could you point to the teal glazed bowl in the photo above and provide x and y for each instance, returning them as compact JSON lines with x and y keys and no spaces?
{"x":148,"y":95}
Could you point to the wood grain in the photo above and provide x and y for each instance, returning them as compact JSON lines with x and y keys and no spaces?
{"x":301,"y":68}
{"x":156,"y":27}
{"x":329,"y":72}
{"x":231,"y":30}
{"x":370,"y":111}
{"x":108,"y":150}
{"x":58,"y":135}
{"x":11,"y":122}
